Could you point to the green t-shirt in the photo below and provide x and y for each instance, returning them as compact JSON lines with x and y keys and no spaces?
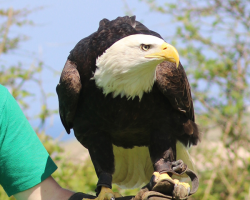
{"x":24,"y":162}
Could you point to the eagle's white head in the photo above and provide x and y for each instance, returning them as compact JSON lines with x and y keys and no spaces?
{"x":128,"y":66}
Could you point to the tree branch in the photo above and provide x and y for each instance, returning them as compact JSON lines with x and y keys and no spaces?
{"x":8,"y":24}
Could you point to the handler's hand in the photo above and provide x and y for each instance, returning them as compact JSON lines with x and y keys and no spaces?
{"x":46,"y":190}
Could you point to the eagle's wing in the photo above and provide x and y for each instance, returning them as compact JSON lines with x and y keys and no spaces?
{"x":68,"y":91}
{"x":173,"y":83}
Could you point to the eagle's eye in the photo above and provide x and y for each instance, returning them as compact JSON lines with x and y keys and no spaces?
{"x":145,"y":47}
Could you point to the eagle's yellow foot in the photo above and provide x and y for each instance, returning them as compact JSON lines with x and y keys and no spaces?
{"x":166,"y":185}
{"x":185,"y":185}
{"x":181,"y":189}
{"x":159,"y":177}
{"x":117,"y":194}
{"x":163,"y":183}
{"x":107,"y":194}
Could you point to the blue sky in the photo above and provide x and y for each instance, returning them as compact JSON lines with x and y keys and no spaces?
{"x":59,"y":25}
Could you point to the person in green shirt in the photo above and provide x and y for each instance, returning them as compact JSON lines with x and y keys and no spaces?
{"x":25,"y":165}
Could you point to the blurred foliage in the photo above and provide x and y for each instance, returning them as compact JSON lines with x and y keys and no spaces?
{"x":213,"y":39}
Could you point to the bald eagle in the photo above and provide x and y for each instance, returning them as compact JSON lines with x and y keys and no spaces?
{"x":127,"y":97}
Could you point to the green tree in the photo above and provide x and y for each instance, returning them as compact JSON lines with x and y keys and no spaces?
{"x":17,"y":76}
{"x":213,"y":39}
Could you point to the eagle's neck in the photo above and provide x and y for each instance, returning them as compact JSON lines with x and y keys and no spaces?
{"x":119,"y":78}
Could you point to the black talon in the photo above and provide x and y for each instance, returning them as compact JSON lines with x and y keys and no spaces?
{"x":177,"y":162}
{"x":178,"y":166}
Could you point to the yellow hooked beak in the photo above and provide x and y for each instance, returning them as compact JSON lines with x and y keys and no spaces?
{"x":168,"y":53}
